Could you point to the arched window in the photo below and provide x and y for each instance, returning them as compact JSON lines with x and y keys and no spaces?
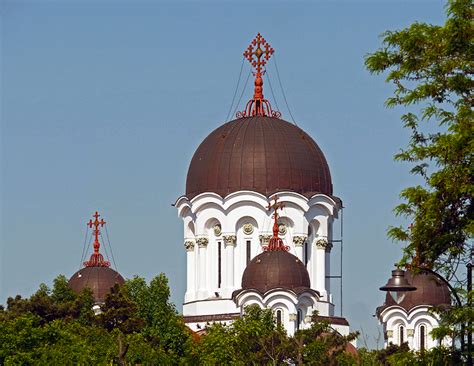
{"x":422,"y":337}
{"x":219,"y":264}
{"x":279,"y":317}
{"x":299,"y":319}
{"x":306,"y":253}
{"x":401,"y":335}
{"x":248,"y":251}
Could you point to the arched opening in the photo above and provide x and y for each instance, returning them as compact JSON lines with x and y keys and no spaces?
{"x":401,"y":335}
{"x":279,"y":317}
{"x":219,"y":264}
{"x":422,"y":337}
{"x":299,"y":319}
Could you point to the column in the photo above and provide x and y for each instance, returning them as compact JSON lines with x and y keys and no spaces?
{"x":411,"y":340}
{"x":327,"y":272}
{"x":190,"y":271}
{"x":320,"y":266}
{"x":298,"y":241}
{"x":202,"y":267}
{"x":229,"y":243}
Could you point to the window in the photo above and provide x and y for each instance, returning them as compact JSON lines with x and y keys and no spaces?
{"x":305,"y":253}
{"x":219,"y":264}
{"x":248,"y":251}
{"x":299,"y":319}
{"x":278,"y":313}
{"x":422,"y":337}
{"x":401,"y":335}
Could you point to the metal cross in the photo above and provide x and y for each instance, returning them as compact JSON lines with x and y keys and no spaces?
{"x":262,"y":48}
{"x":276,"y":205}
{"x":96,"y":223}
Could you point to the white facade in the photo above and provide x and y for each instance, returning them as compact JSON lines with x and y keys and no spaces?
{"x":413,"y":327}
{"x":221,"y":235}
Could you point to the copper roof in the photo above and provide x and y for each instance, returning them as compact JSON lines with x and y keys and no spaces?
{"x":429,"y":291}
{"x":262,"y":154}
{"x":99,"y":279}
{"x":275,"y":269}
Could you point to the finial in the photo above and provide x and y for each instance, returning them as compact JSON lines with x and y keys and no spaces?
{"x":275,"y":242}
{"x":258,"y":53}
{"x":96,"y":259}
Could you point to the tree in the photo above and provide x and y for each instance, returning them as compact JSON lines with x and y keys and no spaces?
{"x":431,"y":67}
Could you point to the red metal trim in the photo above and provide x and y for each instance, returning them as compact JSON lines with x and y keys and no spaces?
{"x":96,"y":259}
{"x":258,"y":53}
{"x":275,"y":242}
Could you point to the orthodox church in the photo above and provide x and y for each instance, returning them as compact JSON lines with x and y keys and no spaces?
{"x":247,"y":173}
{"x":258,"y":215}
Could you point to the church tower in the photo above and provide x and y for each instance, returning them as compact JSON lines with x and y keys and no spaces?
{"x":235,"y":174}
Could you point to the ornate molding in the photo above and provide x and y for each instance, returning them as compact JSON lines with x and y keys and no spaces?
{"x":189,"y":245}
{"x":217,"y":230}
{"x":282,"y":229}
{"x":248,"y":229}
{"x":321,"y":243}
{"x":230,"y":240}
{"x":299,"y":240}
{"x":292,"y":317}
{"x":410,"y":332}
{"x":389,"y":333}
{"x":264,"y":239}
{"x":202,"y":242}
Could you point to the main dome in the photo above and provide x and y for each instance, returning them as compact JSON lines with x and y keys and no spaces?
{"x":261,"y":154}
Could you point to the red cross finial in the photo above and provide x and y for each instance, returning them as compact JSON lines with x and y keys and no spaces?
{"x":96,"y":259}
{"x":258,"y":53}
{"x":275,"y":242}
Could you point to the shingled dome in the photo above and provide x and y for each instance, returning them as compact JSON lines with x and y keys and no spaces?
{"x":429,"y":291}
{"x":99,"y":279}
{"x":275,"y":269}
{"x":261,"y":154}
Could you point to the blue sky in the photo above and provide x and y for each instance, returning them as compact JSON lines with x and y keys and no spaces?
{"x":104,"y":104}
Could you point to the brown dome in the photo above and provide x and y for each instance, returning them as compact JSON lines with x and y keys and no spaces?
{"x":99,"y":279}
{"x":261,"y":154}
{"x":275,"y":269}
{"x":429,"y":291}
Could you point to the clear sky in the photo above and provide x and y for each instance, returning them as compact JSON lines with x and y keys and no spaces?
{"x":105,"y":102}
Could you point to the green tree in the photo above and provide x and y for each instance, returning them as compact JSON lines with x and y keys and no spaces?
{"x":431,"y":68}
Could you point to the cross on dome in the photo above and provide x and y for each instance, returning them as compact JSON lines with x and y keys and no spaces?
{"x":96,"y":259}
{"x":275,"y":242}
{"x":258,"y":53}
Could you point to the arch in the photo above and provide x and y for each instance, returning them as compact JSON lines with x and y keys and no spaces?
{"x":422,"y":336}
{"x":299,"y":319}
{"x":401,"y":334}
{"x":279,"y":317}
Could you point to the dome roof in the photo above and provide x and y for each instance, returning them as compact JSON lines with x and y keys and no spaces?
{"x":261,"y":154}
{"x":429,"y":291}
{"x":275,"y":269}
{"x":99,"y":279}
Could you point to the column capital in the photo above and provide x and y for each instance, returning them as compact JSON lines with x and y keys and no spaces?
{"x":264,"y":239}
{"x":322,"y":243}
{"x":202,"y":242}
{"x":230,"y":240}
{"x":389,"y":333}
{"x":299,"y":240}
{"x":189,"y":245}
{"x":410,"y":332}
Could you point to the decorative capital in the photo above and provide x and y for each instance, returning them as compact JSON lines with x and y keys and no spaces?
{"x":321,"y":243}
{"x":292,"y":317}
{"x":264,"y":239}
{"x":299,"y":240}
{"x":410,"y":332}
{"x":189,"y":245}
{"x":307,"y":319}
{"x":389,"y":333}
{"x":230,"y":240}
{"x":248,"y":229}
{"x":202,"y":242}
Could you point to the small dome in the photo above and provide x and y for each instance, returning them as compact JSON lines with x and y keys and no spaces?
{"x":99,"y":279}
{"x":429,"y":291}
{"x":260,"y":154}
{"x":275,"y":269}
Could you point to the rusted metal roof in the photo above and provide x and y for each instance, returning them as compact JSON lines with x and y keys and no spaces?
{"x":429,"y":291}
{"x":262,"y":154}
{"x":275,"y":269}
{"x":99,"y":279}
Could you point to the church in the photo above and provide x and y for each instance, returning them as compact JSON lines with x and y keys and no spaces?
{"x":258,"y":214}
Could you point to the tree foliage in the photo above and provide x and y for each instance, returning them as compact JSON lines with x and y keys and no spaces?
{"x":431,"y":68}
